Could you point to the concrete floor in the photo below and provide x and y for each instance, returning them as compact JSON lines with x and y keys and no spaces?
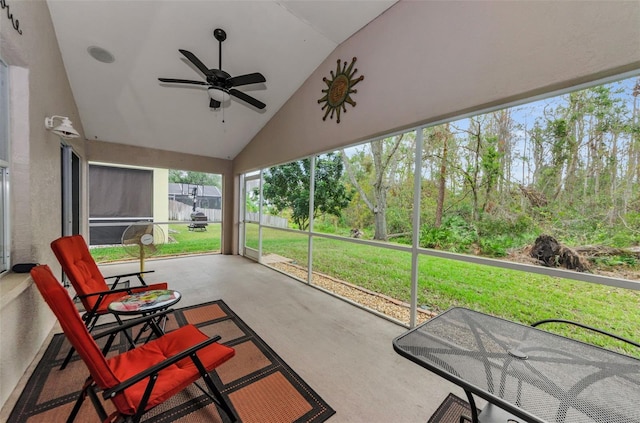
{"x":343,"y":352}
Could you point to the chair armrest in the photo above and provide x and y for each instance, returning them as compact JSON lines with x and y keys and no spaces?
{"x":100,"y":295}
{"x":126,"y":275}
{"x":109,"y":393}
{"x":111,"y":291}
{"x":591,"y":328}
{"x":129,"y":323}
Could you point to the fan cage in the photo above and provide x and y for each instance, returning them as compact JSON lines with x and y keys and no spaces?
{"x":147,"y":236}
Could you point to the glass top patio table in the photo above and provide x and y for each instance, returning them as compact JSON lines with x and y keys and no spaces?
{"x":146,"y":302}
{"x":533,"y":374}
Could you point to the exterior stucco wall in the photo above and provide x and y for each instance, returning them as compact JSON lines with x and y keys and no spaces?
{"x":425,"y":61}
{"x":38,"y":88}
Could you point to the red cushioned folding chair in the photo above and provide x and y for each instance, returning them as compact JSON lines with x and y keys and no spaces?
{"x":141,"y":378}
{"x":90,"y":285}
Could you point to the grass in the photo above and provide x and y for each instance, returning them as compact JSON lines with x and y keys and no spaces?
{"x":182,"y":241}
{"x":443,"y":283}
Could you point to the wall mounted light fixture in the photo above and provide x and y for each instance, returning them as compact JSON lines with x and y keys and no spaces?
{"x":64,"y":129}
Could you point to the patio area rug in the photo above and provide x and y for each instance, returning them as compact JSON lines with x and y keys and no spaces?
{"x":260,"y":386}
{"x":450,"y":410}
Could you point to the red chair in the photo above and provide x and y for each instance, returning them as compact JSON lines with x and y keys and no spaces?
{"x":90,"y":285}
{"x":141,"y":378}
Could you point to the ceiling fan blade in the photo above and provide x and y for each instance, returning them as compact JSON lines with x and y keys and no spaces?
{"x":247,"y":98}
{"x":193,"y":59}
{"x":214,"y":104}
{"x":182,"y":81}
{"x":251,"y":78}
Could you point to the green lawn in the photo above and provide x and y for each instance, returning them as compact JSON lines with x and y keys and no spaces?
{"x":181,"y":241}
{"x":443,"y":283}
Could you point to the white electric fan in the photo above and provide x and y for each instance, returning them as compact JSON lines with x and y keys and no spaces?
{"x":143,"y":239}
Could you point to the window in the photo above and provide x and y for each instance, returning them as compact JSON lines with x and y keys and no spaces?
{"x":564,"y":170}
{"x":4,"y":167}
{"x":186,"y":207}
{"x":118,"y":197}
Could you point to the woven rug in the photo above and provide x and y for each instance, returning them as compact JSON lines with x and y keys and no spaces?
{"x":258,"y":384}
{"x":450,"y":410}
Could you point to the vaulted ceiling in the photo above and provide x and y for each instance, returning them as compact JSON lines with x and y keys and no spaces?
{"x":123,"y":101}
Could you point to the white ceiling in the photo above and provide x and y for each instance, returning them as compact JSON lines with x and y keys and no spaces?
{"x":124,"y":102}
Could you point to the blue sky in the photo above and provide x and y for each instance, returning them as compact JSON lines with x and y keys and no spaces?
{"x":526,"y":114}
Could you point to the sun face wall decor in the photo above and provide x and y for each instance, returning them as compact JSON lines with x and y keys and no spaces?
{"x":339,"y":90}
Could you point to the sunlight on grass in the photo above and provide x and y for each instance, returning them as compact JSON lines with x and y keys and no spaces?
{"x":181,"y":241}
{"x":293,"y":246}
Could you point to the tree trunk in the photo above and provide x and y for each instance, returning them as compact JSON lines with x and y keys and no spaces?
{"x":380,"y":221}
{"x":633,"y":164}
{"x":444,"y":137}
{"x":385,"y":165}
{"x":477,"y":137}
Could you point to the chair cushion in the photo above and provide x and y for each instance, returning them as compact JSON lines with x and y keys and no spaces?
{"x":76,"y":332}
{"x":83,"y":272}
{"x":76,"y":260}
{"x":172,"y":379}
{"x":108,"y":373}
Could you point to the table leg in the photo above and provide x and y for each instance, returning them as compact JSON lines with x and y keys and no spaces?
{"x":156,"y":327}
{"x":132,"y":343}
{"x":153,"y":326}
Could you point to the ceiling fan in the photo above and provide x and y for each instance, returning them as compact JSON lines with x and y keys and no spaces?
{"x":221,"y":84}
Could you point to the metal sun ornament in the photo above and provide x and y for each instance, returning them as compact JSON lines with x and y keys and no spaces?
{"x":339,"y":90}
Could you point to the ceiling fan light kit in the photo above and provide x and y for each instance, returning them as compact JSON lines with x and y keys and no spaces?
{"x":218,"y":94}
{"x":220,"y":83}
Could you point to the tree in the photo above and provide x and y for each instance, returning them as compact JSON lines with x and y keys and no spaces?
{"x":633,"y":164}
{"x":385,"y":167}
{"x":471,"y":166}
{"x":287,"y":187}
{"x":442,"y":134}
{"x":194,"y":178}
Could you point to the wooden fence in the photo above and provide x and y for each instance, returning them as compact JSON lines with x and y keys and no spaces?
{"x":269,"y":220}
{"x":182,"y":212}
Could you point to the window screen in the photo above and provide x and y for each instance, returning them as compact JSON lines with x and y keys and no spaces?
{"x":117,"y":197}
{"x":4,"y":167}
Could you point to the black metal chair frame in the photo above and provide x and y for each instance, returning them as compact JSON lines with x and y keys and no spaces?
{"x":89,"y":387}
{"x":91,"y":317}
{"x":591,"y":328}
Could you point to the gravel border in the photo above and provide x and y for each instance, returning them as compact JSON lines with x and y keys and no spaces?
{"x":388,"y":306}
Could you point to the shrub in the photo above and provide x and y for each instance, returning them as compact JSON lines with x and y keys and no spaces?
{"x":454,"y":235}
